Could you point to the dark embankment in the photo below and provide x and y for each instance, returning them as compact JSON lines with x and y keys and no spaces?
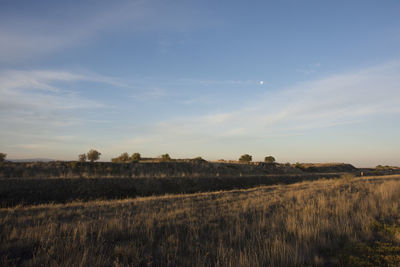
{"x":35,"y":191}
{"x":325,"y":167}
{"x":73,"y":169}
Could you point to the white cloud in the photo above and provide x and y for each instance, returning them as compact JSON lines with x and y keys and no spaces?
{"x":36,"y":100}
{"x":44,"y":111}
{"x":336,"y":100}
{"x":35,"y":79}
{"x":33,"y":102}
{"x":31,"y":91}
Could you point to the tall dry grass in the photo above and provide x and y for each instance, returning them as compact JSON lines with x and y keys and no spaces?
{"x":285,"y":225}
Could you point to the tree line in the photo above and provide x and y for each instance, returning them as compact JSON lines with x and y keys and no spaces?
{"x":94,"y":155}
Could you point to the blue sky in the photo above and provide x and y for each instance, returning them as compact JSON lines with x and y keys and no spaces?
{"x":307,"y":81}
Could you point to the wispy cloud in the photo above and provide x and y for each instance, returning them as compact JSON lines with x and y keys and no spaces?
{"x":36,"y":99}
{"x":36,"y":108}
{"x":218,"y":82}
{"x":309,"y":69}
{"x":36,"y":90}
{"x":340,"y":99}
{"x":151,"y":93}
{"x":31,"y":36}
{"x":45,"y":111}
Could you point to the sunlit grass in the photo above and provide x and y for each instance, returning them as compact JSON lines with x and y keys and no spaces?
{"x":306,"y":223}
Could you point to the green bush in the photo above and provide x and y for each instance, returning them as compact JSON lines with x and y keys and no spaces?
{"x":124,"y":157}
{"x":245,"y":158}
{"x":136,"y":157}
{"x":269,"y":159}
{"x":165,"y":157}
{"x":299,"y":166}
{"x":93,"y":155}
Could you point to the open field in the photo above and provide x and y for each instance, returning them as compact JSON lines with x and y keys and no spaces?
{"x":339,"y":222}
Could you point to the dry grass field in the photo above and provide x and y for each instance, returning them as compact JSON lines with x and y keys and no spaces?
{"x":337,"y":222}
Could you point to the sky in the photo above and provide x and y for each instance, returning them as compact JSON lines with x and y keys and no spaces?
{"x":304,"y":81}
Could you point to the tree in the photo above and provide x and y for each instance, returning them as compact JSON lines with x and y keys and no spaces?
{"x":2,"y":157}
{"x":245,"y":158}
{"x":93,"y":155}
{"x":269,"y":159}
{"x":165,"y":157}
{"x":82,"y":158}
{"x":198,"y":160}
{"x":299,"y":166}
{"x":136,"y":156}
{"x":124,"y":157}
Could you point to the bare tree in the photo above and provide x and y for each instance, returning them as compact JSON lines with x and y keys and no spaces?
{"x":93,"y":155}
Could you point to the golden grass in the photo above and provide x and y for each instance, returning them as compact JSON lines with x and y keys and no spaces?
{"x":284,"y":225}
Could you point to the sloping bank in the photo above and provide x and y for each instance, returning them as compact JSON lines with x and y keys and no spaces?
{"x":180,"y":168}
{"x":35,"y":191}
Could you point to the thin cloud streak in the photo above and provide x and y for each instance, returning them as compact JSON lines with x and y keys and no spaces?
{"x":36,"y":100}
{"x":33,"y":37}
{"x":337,"y":100}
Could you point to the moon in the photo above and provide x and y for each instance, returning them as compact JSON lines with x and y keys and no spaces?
{"x":261,"y":82}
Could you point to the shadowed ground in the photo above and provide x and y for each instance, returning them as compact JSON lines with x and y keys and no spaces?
{"x":61,"y":190}
{"x":347,"y":221}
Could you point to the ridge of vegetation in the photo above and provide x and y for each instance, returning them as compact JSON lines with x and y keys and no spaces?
{"x":35,"y":191}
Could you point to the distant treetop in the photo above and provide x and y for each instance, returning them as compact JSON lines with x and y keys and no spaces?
{"x":245,"y":158}
{"x":93,"y":155}
{"x":82,"y":158}
{"x":2,"y":157}
{"x":165,"y":157}
{"x":269,"y":159}
{"x":124,"y":157}
{"x":136,"y":157}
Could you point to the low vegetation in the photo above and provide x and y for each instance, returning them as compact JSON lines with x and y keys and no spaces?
{"x":339,"y":222}
{"x":165,"y":157}
{"x":145,"y":168}
{"x":246,"y":158}
{"x":2,"y":157}
{"x":93,"y":155}
{"x":82,"y":158}
{"x":269,"y":159}
{"x":125,"y":158}
{"x":35,"y":191}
